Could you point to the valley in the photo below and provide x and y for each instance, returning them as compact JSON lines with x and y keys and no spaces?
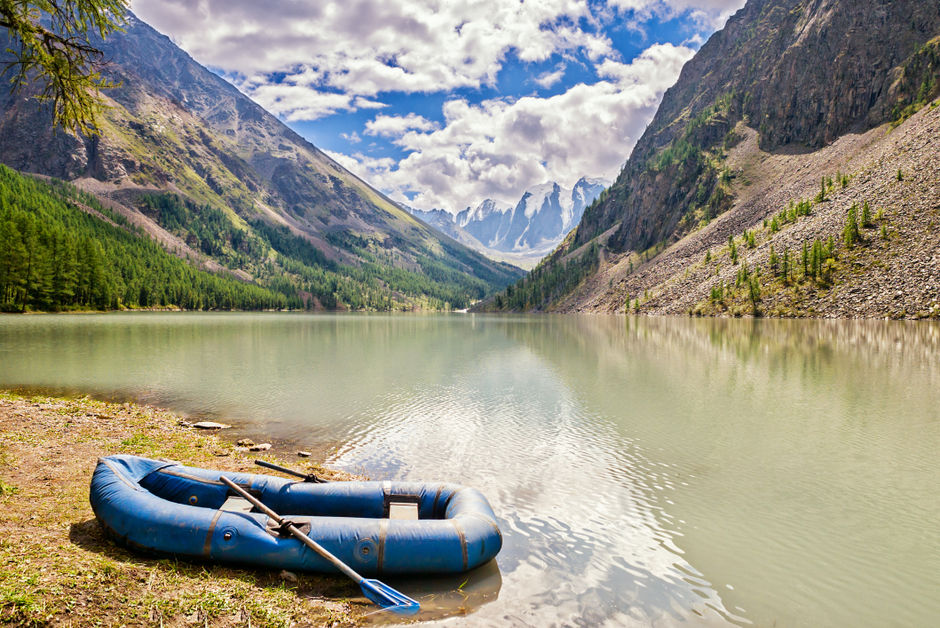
{"x":247,"y":187}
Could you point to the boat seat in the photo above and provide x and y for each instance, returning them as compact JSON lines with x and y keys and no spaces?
{"x":236,"y":504}
{"x":403,"y":510}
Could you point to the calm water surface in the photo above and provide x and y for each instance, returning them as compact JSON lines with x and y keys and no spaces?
{"x":645,"y":471}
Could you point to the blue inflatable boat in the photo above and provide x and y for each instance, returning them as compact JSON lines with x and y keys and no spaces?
{"x":374,"y":527}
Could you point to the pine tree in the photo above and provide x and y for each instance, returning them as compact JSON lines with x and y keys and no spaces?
{"x":850,"y":233}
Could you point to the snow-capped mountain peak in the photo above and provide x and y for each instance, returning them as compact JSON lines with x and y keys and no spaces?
{"x":481,"y":212}
{"x":537,"y":224}
{"x":538,"y":197}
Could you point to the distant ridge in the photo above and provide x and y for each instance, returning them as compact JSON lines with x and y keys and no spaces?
{"x":526,"y":232}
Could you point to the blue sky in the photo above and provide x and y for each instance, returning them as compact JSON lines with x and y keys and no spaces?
{"x":445,"y":103}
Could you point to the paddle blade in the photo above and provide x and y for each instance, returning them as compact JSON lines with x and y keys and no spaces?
{"x":388,"y":598}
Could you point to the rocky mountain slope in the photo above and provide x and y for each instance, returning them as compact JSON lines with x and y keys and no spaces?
{"x":788,"y":93}
{"x":524,"y":233}
{"x":173,"y":126}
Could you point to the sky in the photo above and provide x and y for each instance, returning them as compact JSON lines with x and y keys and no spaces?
{"x":443,"y":103}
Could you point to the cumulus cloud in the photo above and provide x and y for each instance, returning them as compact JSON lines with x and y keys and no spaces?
{"x":307,"y":60}
{"x":710,"y":14}
{"x":366,"y":47}
{"x":396,"y":126}
{"x":550,"y":78}
{"x":498,"y":147}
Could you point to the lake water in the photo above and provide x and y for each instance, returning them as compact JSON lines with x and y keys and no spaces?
{"x":644,"y":471}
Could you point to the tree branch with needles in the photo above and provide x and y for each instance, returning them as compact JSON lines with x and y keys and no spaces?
{"x":51,"y":46}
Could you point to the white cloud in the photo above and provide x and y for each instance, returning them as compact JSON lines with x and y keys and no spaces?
{"x":306,"y":60}
{"x":352,"y":138}
{"x":709,"y":14}
{"x":499,"y":147}
{"x":550,"y":78}
{"x":365,"y":103}
{"x":396,"y":126}
{"x":364,"y":47}
{"x":297,"y":102}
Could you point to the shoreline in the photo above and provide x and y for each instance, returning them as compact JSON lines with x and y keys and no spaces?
{"x":926,"y":315}
{"x":56,"y":564}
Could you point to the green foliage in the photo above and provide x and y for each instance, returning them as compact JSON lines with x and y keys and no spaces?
{"x":732,"y":250}
{"x":205,"y":229}
{"x":753,"y":291}
{"x":700,"y":179}
{"x":742,"y":276}
{"x":549,"y":281}
{"x":815,"y":262}
{"x":918,"y":83}
{"x":749,"y":239}
{"x":681,"y":152}
{"x":900,"y":175}
{"x":54,"y":256}
{"x":792,"y":213}
{"x":291,"y":246}
{"x":717,"y":294}
{"x":825,"y":185}
{"x":866,"y":215}
{"x":850,"y":232}
{"x":58,"y":53}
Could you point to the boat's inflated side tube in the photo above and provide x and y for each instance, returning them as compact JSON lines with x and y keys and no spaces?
{"x":170,"y":508}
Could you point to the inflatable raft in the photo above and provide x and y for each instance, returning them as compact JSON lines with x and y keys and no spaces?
{"x":374,"y":527}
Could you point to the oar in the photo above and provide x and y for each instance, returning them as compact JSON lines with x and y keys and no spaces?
{"x":307,"y":477}
{"x":382,"y":594}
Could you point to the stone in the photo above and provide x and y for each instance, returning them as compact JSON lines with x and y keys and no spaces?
{"x":210,"y":425}
{"x":244,"y":442}
{"x":304,"y":454}
{"x":260,"y":447}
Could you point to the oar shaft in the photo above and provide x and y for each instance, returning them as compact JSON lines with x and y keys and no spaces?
{"x":325,"y":553}
{"x":306,"y":540}
{"x":277,"y":467}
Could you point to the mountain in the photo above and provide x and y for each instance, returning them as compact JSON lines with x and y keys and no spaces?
{"x":539,"y":221}
{"x":772,"y":138}
{"x":175,"y":128}
{"x":440,"y":219}
{"x":487,"y":222}
{"x":522,"y":234}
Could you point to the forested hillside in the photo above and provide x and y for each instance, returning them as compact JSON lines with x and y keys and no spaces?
{"x":62,"y":250}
